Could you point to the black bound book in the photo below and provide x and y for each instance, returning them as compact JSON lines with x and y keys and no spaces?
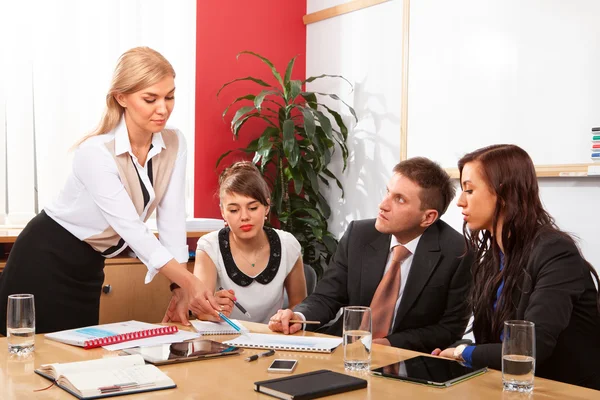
{"x":310,"y":385}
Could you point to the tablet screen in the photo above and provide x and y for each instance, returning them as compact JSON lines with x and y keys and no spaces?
{"x":428,"y":370}
{"x":186,"y":351}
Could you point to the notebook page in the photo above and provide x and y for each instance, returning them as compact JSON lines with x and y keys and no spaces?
{"x":285,"y":342}
{"x":217,"y":328}
{"x":93,"y":365}
{"x":88,"y":383}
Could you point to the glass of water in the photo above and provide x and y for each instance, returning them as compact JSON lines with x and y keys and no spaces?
{"x":357,"y":338}
{"x":20,"y":324}
{"x":518,"y":356}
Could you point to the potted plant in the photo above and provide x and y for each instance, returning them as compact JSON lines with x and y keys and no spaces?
{"x":293,"y":153}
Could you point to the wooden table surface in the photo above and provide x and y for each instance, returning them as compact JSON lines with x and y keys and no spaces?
{"x":232,"y":377}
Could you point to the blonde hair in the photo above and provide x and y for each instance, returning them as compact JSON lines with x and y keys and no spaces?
{"x":137,"y":69}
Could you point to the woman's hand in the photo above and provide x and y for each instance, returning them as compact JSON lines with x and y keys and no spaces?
{"x":225,"y":299}
{"x":202,"y":300}
{"x":448,"y":353}
{"x":178,"y":308}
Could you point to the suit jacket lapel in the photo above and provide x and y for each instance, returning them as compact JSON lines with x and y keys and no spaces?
{"x":424,"y":262}
{"x":374,"y":258}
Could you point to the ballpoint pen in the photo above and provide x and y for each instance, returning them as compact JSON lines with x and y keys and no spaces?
{"x":257,"y":356}
{"x":238,"y":305}
{"x":233,"y":325}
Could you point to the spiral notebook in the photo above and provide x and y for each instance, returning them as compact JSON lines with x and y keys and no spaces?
{"x":217,"y":328}
{"x":110,"y":334}
{"x":285,"y":342}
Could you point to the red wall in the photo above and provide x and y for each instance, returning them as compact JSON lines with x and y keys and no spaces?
{"x":272,"y":28}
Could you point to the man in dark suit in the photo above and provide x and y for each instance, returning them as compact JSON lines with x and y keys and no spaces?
{"x":427,"y":304}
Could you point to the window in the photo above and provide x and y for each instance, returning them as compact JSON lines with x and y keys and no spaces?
{"x":57,"y":59}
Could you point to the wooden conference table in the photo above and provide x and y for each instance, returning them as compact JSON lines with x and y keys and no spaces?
{"x":233,"y":378}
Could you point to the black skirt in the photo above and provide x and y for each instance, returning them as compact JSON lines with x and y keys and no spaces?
{"x":64,"y":274}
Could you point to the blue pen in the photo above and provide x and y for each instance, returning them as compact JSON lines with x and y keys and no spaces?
{"x":233,"y":325}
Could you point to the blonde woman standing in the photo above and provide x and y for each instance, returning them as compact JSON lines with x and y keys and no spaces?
{"x":129,"y":166}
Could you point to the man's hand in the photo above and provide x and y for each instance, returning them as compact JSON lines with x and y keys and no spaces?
{"x":382,"y":341}
{"x":280,"y":322}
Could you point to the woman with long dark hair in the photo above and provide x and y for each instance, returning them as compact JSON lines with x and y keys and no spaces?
{"x":526,"y":268}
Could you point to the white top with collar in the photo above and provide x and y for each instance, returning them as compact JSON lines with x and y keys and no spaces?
{"x":94,"y":198}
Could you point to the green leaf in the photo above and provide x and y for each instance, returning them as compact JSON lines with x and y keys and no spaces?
{"x":269,"y":63}
{"x":222,"y":157}
{"x":308,"y":221}
{"x":310,"y":211}
{"x":282,"y":117}
{"x":298,"y":180}
{"x":324,"y":206}
{"x":247,"y":97}
{"x":339,"y":121}
{"x":295,"y":89}
{"x":248,"y":78}
{"x":312,"y":177}
{"x":330,"y":243}
{"x":290,"y":147}
{"x":314,"y":78}
{"x":252,"y":146}
{"x":330,"y":174}
{"x":318,"y":232}
{"x":288,"y":137}
{"x":324,"y":122}
{"x":310,"y":98}
{"x":288,"y":71}
{"x":336,"y":97}
{"x":309,"y":122}
{"x":261,"y":96}
{"x":240,"y":113}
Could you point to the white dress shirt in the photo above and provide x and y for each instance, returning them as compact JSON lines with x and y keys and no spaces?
{"x":94,"y":199}
{"x":404,"y":268}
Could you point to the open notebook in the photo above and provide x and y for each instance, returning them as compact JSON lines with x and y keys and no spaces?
{"x":217,"y":328}
{"x":285,"y":342}
{"x":105,"y":377}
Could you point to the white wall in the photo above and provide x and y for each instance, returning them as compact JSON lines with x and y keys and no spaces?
{"x":365,"y":47}
{"x":351,"y":45}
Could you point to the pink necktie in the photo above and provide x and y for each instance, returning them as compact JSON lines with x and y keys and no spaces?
{"x":383,"y":304}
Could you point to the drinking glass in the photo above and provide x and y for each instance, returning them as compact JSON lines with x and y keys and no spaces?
{"x":20,"y":324}
{"x":518,"y":356}
{"x":357,"y":338}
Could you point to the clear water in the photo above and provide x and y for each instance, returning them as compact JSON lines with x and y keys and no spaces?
{"x":20,"y":340}
{"x":518,"y":373}
{"x":357,"y":350}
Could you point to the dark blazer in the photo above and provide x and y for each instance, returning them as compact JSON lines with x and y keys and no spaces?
{"x":433,"y":311}
{"x":559,"y":296}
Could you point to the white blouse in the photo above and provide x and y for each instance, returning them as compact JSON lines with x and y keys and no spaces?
{"x":260,"y":300}
{"x":94,"y":198}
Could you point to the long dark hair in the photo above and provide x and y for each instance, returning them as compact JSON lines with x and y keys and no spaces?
{"x":510,"y":174}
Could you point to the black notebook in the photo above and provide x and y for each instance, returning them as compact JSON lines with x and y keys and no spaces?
{"x":310,"y":385}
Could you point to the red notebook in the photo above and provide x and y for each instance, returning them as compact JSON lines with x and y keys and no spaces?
{"x":101,"y":335}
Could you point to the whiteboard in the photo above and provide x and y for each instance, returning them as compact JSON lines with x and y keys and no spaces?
{"x":504,"y":71}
